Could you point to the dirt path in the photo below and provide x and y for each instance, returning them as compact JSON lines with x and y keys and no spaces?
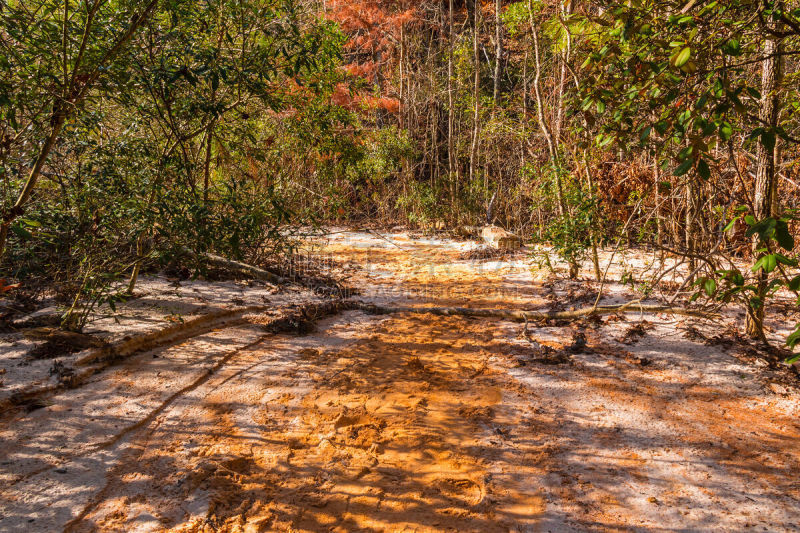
{"x":414,"y":423}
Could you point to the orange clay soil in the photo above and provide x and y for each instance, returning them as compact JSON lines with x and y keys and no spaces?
{"x":413,"y":423}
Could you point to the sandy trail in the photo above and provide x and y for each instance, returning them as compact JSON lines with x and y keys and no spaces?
{"x":413,"y":423}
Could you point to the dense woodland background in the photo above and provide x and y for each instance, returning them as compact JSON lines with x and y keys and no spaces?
{"x":131,"y":132}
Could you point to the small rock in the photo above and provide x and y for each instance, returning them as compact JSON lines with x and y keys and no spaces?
{"x":777,"y":388}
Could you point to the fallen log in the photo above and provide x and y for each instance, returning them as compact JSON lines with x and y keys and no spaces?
{"x":298,"y":319}
{"x":497,"y":237}
{"x":524,"y":316}
{"x":236,"y":266}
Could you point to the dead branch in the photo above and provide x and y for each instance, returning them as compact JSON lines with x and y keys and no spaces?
{"x":523,"y":316}
{"x":236,"y":266}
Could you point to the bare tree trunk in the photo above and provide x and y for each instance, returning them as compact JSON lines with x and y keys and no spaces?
{"x":656,"y":185}
{"x":537,"y":88}
{"x":592,"y":230}
{"x":452,"y":168}
{"x":675,"y":220}
{"x":207,"y":163}
{"x":548,"y":135}
{"x":403,"y":75}
{"x":776,"y":199}
{"x":436,"y":112}
{"x":688,"y":231}
{"x":59,"y":117}
{"x":766,"y":182}
{"x":476,"y":92}
{"x":566,"y":10}
{"x":498,"y":35}
{"x":405,"y":91}
{"x":137,"y":267}
{"x":377,"y":58}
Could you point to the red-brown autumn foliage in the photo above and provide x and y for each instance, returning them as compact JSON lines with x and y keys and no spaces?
{"x":375,"y":29}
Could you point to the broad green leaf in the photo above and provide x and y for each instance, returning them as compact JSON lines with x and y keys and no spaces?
{"x":21,"y":232}
{"x":684,"y":167}
{"x":791,"y":342}
{"x":710,"y":286}
{"x":680,"y":58}
{"x":703,"y":170}
{"x":764,"y":229}
{"x":725,"y":131}
{"x":754,"y":93}
{"x":732,"y":47}
{"x":730,"y":225}
{"x":783,"y":236}
{"x":768,"y":139}
{"x":690,"y":67}
{"x":767,"y":263}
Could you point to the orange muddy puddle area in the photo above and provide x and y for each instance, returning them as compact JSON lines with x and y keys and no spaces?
{"x":431,"y":271}
{"x":413,"y":423}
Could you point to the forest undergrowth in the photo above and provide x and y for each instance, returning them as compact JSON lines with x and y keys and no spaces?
{"x":144,"y":137}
